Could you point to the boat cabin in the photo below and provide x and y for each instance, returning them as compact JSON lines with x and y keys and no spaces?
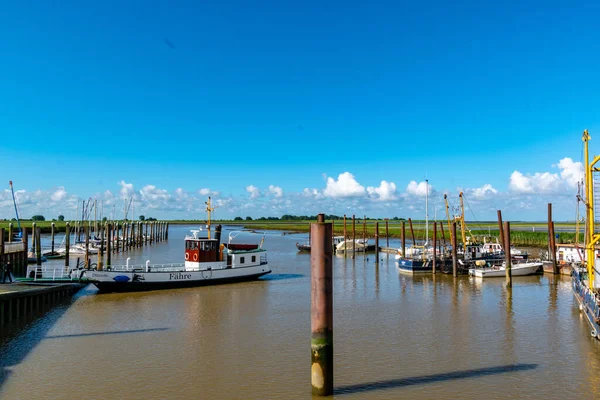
{"x":202,"y":250}
{"x":472,"y":252}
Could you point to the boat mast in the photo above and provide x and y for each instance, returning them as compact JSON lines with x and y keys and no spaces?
{"x":16,"y":212}
{"x":591,"y":238}
{"x":426,"y":211}
{"x":209,"y":209}
{"x":462,"y":219}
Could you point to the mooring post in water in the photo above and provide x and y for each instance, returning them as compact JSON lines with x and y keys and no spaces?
{"x":412,"y":232}
{"x":321,"y":308}
{"x":507,"y":254}
{"x":52,"y":228}
{"x":117,"y":234}
{"x":38,"y":246}
{"x":167,"y":232}
{"x":10,"y":232}
{"x":25,"y":244}
{"x":100,"y":264}
{"x":454,"y":251}
{"x":67,"y":242}
{"x":109,"y":239}
{"x":376,"y":242}
{"x":551,"y":241}
{"x":443,"y":236}
{"x":87,"y":246}
{"x":387,"y":234}
{"x":353,"y":234}
{"x":365,"y":233}
{"x":345,"y":235}
{"x":500,"y":229}
{"x":403,"y":238}
{"x":2,"y":254}
{"x":434,"y":246}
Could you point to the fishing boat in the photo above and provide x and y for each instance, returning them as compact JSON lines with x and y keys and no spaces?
{"x":206,"y":261}
{"x":520,"y":269}
{"x":359,"y":245}
{"x":585,"y":279}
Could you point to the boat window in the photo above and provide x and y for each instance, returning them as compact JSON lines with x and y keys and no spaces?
{"x":241,"y":260}
{"x":253,"y":259}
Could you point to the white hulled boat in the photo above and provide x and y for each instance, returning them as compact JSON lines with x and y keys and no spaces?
{"x":520,"y":269}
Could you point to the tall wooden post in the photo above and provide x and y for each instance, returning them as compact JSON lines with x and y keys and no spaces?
{"x":321,"y":308}
{"x":345,"y":236}
{"x":52,"y":229}
{"x":117,"y":236}
{"x":443,"y":234}
{"x":10,"y":232}
{"x":87,"y":245}
{"x":309,"y":225}
{"x":552,"y":241}
{"x":501,"y":233}
{"x":507,"y":254}
{"x":376,"y":242}
{"x":33,"y":238}
{"x":2,"y":261}
{"x":353,"y":235}
{"x":454,"y":254}
{"x":167,"y":232}
{"x":67,"y":242}
{"x":403,"y":238}
{"x":434,"y":247}
{"x":26,"y":246}
{"x":38,"y":246}
{"x":365,"y":230}
{"x":412,"y":232}
{"x":387,"y":234}
{"x":109,"y":244}
{"x":100,"y":264}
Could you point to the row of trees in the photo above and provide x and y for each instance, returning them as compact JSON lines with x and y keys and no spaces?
{"x":288,"y":217}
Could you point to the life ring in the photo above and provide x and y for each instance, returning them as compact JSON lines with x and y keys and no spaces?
{"x":187,"y":256}
{"x":195,"y":257}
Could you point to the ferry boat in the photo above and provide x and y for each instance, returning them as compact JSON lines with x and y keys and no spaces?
{"x":207,"y":261}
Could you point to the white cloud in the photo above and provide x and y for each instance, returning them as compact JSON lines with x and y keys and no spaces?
{"x":345,"y":186}
{"x":276,"y":190}
{"x":419,"y":189}
{"x":253,"y":190}
{"x":482,"y":192}
{"x":208,"y":192}
{"x":385,"y":192}
{"x":126,"y":189}
{"x":547,"y":182}
{"x":59,"y":195}
{"x":571,"y":172}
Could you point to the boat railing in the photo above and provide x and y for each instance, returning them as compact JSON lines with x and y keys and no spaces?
{"x":588,"y":297}
{"x":49,"y":273}
{"x":147,"y":267}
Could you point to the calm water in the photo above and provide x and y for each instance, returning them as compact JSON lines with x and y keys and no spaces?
{"x":396,"y":337}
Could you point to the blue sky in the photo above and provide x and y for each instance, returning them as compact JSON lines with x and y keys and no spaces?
{"x":175,"y":97}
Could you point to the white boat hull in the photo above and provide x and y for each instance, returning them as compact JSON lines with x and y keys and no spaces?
{"x":521,"y":269}
{"x":140,"y":279}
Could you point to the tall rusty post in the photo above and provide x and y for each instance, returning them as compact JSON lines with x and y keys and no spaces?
{"x":117,"y":236}
{"x":403,"y":238}
{"x":2,"y":262}
{"x":321,"y":308}
{"x":87,"y":245}
{"x":434,"y":247}
{"x":100,"y":264}
{"x":109,"y":239}
{"x":387,"y":234}
{"x":353,"y":235}
{"x":500,"y":229}
{"x":551,"y":241}
{"x":507,"y":254}
{"x":443,"y":235}
{"x":38,"y":246}
{"x":365,"y":230}
{"x":25,"y":245}
{"x":52,"y":229}
{"x":377,"y":243}
{"x":454,"y":254}
{"x":345,"y":236}
{"x":167,"y":232}
{"x":412,"y":232}
{"x":67,"y":242}
{"x":10,"y":232}
{"x":33,"y":238}
{"x":132,"y":238}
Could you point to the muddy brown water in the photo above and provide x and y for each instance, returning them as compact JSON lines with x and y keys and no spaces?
{"x":395,"y":337}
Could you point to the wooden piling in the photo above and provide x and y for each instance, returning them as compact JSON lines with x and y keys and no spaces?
{"x":146,"y":233}
{"x":500,"y":229}
{"x":345,"y":236}
{"x":507,"y":254}
{"x":443,"y":235}
{"x":309,"y":225}
{"x":67,"y":242}
{"x":321,"y":308}
{"x":387,"y":234}
{"x":100,"y":264}
{"x":52,"y":229}
{"x":25,"y":235}
{"x":109,"y":243}
{"x":552,"y":242}
{"x":412,"y":232}
{"x":2,"y":261}
{"x":403,"y":238}
{"x":454,"y":253}
{"x":87,"y":246}
{"x":376,"y":242}
{"x":38,"y":246}
{"x":365,"y":232}
{"x":353,"y":235}
{"x":117,"y":236}
{"x":434,"y":247}
{"x":167,"y":232}
{"x":10,"y":232}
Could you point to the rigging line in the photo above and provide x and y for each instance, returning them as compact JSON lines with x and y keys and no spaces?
{"x":472,"y":212}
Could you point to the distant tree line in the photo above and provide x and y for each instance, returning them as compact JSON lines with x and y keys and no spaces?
{"x":288,"y":217}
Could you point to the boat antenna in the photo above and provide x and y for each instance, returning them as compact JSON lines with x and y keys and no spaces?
{"x":16,"y":212}
{"x":209,"y":209}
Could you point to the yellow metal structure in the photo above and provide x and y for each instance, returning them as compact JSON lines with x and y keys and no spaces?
{"x":459,"y":219}
{"x":591,"y":237}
